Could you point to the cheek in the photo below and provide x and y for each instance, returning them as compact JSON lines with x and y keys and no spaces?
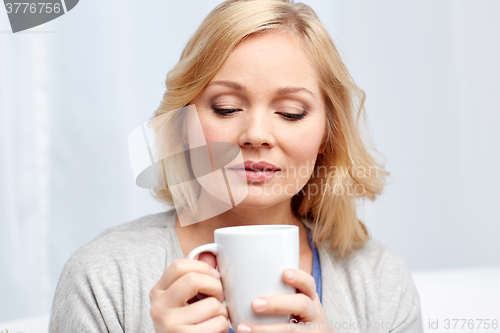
{"x":215,"y":131}
{"x":302,"y":146}
{"x":216,"y":134}
{"x":302,"y":156}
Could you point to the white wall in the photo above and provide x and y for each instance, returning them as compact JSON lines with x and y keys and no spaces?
{"x":432,"y":76}
{"x":72,"y":90}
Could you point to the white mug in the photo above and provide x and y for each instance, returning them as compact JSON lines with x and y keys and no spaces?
{"x":251,"y":260}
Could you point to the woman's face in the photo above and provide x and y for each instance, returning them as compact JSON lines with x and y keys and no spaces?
{"x":266,"y":99}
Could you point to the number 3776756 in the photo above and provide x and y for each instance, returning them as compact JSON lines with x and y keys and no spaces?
{"x":471,"y":324}
{"x":40,"y":7}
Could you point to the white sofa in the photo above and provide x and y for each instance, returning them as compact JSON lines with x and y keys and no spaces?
{"x":465,"y":293}
{"x":471,"y":293}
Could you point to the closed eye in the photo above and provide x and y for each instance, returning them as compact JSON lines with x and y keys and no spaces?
{"x":293,"y":116}
{"x":224,"y":112}
{"x":287,"y":116}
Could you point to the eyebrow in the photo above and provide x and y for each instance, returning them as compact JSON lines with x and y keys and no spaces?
{"x":281,"y":91}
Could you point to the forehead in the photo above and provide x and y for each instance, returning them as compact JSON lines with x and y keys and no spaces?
{"x":271,"y":58}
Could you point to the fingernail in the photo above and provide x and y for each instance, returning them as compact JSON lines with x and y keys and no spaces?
{"x":215,"y":273}
{"x":244,"y":329}
{"x":290,"y":275}
{"x":259,"y":304}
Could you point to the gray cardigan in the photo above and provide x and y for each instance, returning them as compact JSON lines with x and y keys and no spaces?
{"x":105,"y":285}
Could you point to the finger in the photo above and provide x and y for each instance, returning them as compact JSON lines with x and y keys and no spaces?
{"x":189,"y":285}
{"x":200,"y":311}
{"x":300,"y":280}
{"x":209,"y":258}
{"x":217,"y":324}
{"x":299,"y":305}
{"x":181,"y":267}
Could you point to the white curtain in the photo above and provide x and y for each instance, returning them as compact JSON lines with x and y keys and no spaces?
{"x":25,"y":174}
{"x":72,"y":90}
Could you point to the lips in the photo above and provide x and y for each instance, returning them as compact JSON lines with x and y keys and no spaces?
{"x":255,"y":171}
{"x":256,"y":166}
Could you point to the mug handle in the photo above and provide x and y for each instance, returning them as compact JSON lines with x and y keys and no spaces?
{"x":212,"y":248}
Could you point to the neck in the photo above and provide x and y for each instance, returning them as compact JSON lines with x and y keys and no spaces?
{"x":277,"y":214}
{"x":193,"y":235}
{"x":280,"y":213}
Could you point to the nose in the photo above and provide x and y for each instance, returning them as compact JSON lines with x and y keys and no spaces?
{"x":257,"y":130}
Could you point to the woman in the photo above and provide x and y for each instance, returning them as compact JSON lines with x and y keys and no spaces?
{"x":265,"y":75}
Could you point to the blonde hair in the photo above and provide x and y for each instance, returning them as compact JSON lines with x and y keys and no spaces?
{"x":347,"y":151}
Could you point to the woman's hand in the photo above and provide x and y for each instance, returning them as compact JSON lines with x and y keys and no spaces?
{"x":304,"y":307}
{"x":174,"y":307}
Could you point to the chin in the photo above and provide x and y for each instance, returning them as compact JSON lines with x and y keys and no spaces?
{"x":261,"y":201}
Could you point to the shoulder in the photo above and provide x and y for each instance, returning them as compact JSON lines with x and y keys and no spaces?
{"x":111,"y":276}
{"x":373,"y":268}
{"x":378,"y":284}
{"x":144,"y":240}
{"x":373,"y":259}
{"x":129,"y":239}
{"x":373,"y":256}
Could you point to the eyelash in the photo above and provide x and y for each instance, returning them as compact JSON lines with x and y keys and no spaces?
{"x":225,"y":113}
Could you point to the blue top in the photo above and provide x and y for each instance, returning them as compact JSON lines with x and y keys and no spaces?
{"x":316,"y":270}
